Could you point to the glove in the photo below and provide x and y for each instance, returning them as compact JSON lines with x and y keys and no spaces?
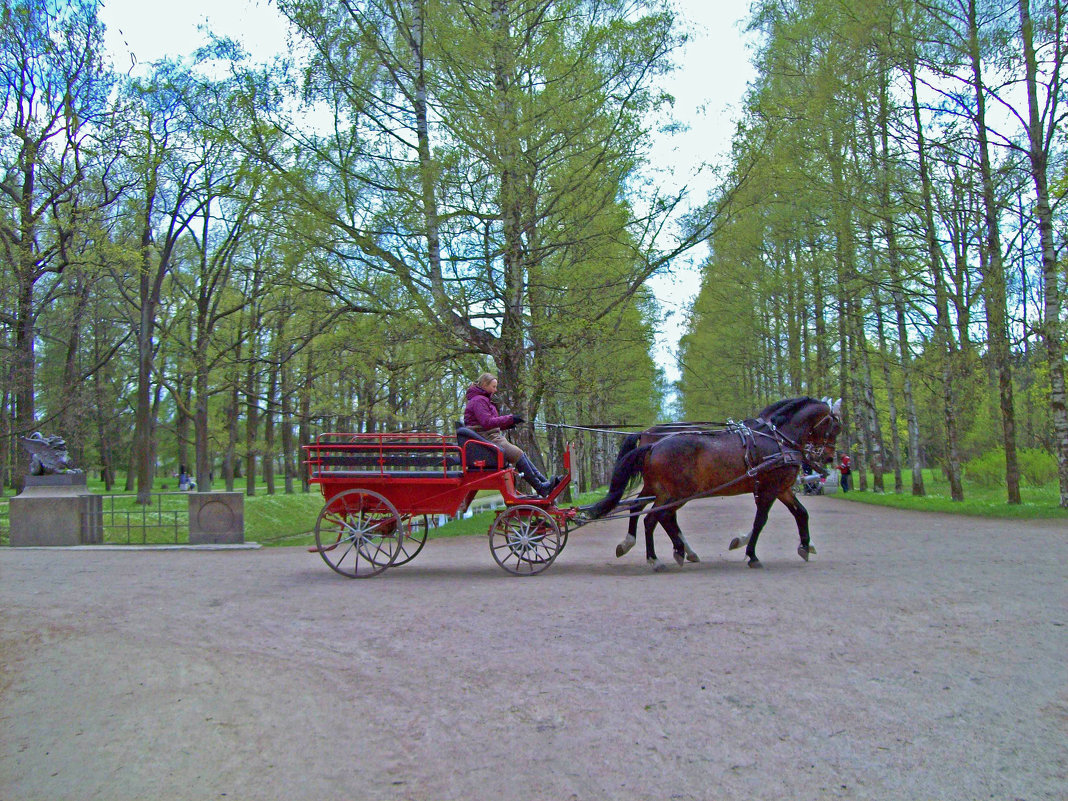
{"x":516,"y":419}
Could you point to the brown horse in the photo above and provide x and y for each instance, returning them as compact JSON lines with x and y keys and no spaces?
{"x":761,"y":456}
{"x":634,"y":507}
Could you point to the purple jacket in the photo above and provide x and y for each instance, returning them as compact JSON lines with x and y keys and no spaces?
{"x":481,"y":412}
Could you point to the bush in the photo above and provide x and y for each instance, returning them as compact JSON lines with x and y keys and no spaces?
{"x":1037,"y":468}
{"x":988,"y":470}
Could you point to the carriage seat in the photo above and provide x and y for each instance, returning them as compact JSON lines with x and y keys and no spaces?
{"x":479,"y":452}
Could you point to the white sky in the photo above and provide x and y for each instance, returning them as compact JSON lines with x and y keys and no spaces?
{"x":708,"y":86}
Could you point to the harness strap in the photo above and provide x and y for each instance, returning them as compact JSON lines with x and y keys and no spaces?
{"x":768,"y":463}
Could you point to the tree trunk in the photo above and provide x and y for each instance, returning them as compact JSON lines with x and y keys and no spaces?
{"x":891,"y":395}
{"x":252,"y":425}
{"x":270,"y":410}
{"x":1039,"y":142}
{"x":230,"y":456}
{"x":74,"y":421}
{"x":304,"y":431}
{"x":943,"y":327}
{"x":994,"y":276}
{"x":182,"y":421}
{"x":286,"y":399}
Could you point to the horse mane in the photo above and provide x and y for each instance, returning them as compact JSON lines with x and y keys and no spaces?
{"x":781,"y":411}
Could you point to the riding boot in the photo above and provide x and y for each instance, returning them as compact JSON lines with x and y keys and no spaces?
{"x":550,"y":483}
{"x":540,"y":483}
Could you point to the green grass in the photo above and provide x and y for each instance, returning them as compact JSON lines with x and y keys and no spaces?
{"x":280,"y":519}
{"x":1038,"y":502}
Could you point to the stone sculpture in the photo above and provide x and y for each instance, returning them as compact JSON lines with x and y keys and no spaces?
{"x":48,"y":455}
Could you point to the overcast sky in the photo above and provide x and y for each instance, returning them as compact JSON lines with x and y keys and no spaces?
{"x":708,"y":86}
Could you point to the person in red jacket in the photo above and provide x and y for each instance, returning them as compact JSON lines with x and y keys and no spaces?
{"x":846,"y":471}
{"x":482,"y":416}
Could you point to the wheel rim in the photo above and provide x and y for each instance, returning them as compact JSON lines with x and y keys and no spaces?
{"x":418,"y":527}
{"x":356,"y":533}
{"x":525,"y":540}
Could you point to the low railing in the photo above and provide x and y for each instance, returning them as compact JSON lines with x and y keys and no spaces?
{"x":162,"y":521}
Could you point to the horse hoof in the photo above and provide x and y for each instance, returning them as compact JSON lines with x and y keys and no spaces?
{"x":680,"y":559}
{"x":692,"y":557}
{"x":737,"y":542}
{"x":812,"y":550}
{"x":802,"y":551}
{"x":754,"y":562}
{"x":658,"y":566}
{"x":624,"y":546}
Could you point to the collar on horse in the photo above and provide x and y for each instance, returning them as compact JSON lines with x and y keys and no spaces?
{"x":789,"y":452}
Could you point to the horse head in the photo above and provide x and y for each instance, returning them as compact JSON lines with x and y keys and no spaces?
{"x":823,"y":433}
{"x":812,"y":424}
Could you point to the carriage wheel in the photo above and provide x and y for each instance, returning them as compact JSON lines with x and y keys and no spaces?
{"x":418,"y":527}
{"x":525,"y":540}
{"x":356,"y":533}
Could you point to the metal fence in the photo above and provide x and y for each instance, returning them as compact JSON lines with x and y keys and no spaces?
{"x":162,"y":521}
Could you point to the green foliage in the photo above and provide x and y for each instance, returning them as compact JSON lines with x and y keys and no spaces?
{"x":1038,"y":468}
{"x":988,"y":470}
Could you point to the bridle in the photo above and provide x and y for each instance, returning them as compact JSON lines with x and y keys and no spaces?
{"x":814,"y":449}
{"x":810,"y":449}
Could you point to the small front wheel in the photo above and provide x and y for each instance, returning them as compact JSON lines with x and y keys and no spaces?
{"x":359,"y":533}
{"x":525,"y":540}
{"x":417,"y":526}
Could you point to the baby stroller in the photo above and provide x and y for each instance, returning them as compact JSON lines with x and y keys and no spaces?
{"x":812,"y":483}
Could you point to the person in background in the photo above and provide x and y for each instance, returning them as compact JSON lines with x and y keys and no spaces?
{"x":482,"y":416}
{"x":846,"y":472}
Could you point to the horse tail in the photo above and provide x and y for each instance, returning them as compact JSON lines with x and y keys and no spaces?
{"x":630,"y":442}
{"x":630,"y":464}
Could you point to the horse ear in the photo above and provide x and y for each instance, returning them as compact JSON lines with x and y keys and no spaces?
{"x":837,"y":406}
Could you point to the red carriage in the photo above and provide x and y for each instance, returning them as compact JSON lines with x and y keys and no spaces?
{"x":381,"y":491}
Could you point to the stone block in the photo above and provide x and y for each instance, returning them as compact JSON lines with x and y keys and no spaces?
{"x":56,"y":510}
{"x":216,"y":518}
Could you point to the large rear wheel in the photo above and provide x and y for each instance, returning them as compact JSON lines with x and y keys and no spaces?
{"x":525,"y":540}
{"x":359,"y":533}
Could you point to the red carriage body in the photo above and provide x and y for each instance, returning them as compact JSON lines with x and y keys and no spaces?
{"x":381,"y":489}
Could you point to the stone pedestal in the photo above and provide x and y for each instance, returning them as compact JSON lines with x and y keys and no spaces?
{"x":216,"y":518}
{"x":56,"y":510}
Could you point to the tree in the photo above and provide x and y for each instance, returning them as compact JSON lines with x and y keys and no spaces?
{"x":1041,"y":125}
{"x":518,"y":227}
{"x":54,"y":92}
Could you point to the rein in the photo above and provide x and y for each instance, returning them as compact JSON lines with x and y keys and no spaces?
{"x":790,"y":452}
{"x":618,"y":428}
{"x":770,"y":463}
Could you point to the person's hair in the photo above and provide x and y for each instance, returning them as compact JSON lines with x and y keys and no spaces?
{"x":484,"y":379}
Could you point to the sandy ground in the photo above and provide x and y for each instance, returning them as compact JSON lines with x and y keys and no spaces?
{"x":916,"y":657}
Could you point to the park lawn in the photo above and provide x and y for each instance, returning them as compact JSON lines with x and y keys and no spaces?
{"x":1039,"y":503}
{"x":281,"y":520}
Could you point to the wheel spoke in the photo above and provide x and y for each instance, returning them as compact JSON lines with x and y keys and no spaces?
{"x":417,"y":529}
{"x":366,"y":523}
{"x":525,"y":540}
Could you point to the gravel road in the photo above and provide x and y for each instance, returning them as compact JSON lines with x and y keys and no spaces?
{"x":918,"y":656}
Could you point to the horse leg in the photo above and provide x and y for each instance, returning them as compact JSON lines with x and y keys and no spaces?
{"x":651,"y":520}
{"x":683,"y":551}
{"x":763,"y":505}
{"x":632,"y":529}
{"x":800,"y":513}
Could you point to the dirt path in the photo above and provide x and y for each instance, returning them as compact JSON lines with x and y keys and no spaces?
{"x":917,"y":657}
